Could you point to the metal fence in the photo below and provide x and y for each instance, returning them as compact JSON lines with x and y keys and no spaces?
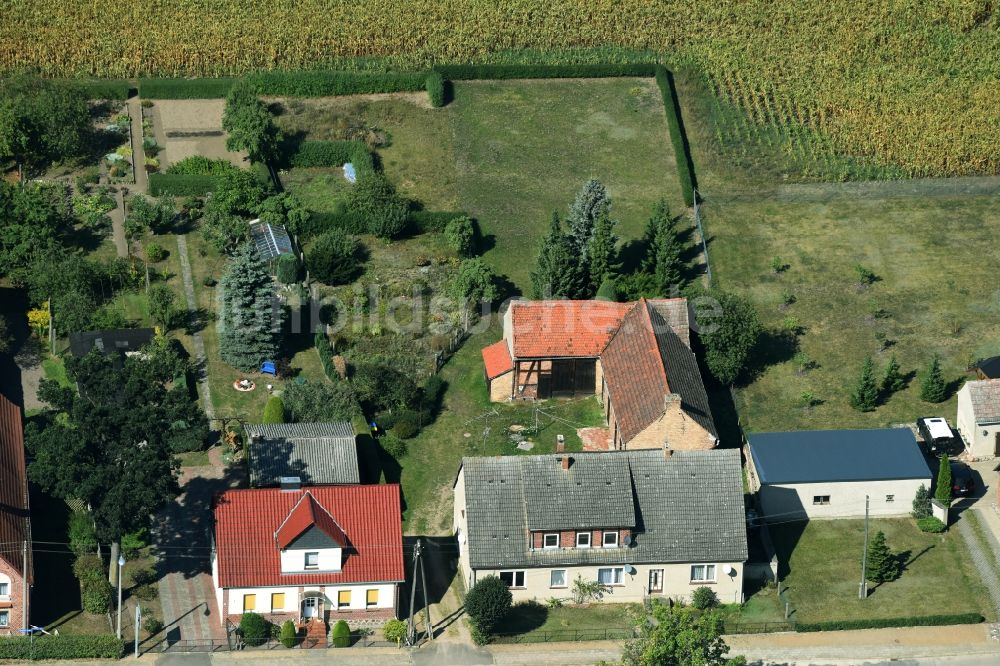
{"x":566,"y":635}
{"x":236,"y":643}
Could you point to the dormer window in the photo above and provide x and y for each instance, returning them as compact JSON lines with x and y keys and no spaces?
{"x":311,"y":561}
{"x":550,"y":541}
{"x":583,"y":539}
{"x":610,"y":540}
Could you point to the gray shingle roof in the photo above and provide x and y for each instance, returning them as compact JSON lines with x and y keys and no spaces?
{"x":318,"y":453}
{"x":687,"y":508}
{"x":682,"y":370}
{"x":576,"y":489}
{"x":985,"y":397}
{"x":816,"y":456}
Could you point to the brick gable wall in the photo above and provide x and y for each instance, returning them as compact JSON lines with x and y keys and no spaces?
{"x":15,"y":603}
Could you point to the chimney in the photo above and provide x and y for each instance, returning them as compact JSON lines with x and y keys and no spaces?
{"x":667,"y":452}
{"x":566,"y":462}
{"x":560,"y":444}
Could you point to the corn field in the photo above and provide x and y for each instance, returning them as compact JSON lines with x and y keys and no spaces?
{"x":907,"y":83}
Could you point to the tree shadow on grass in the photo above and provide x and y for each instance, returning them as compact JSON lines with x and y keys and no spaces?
{"x":53,"y":564}
{"x":523,"y":617}
{"x":773,"y":347}
{"x":195,"y":321}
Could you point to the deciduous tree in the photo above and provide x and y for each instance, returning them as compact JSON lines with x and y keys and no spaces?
{"x":249,"y":124}
{"x":730,"y":336}
{"x":475,"y":282}
{"x":679,"y":636}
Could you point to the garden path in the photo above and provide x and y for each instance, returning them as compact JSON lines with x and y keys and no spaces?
{"x":118,"y":225}
{"x":138,"y":154}
{"x":199,"y":342}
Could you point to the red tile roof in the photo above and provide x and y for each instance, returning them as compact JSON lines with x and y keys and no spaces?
{"x":496,"y":359}
{"x":552,"y":329}
{"x":634,"y":372}
{"x":15,"y":527}
{"x":246,"y":522}
{"x":308,"y":513}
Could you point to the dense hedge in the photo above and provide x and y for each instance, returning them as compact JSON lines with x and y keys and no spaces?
{"x":199,"y":165}
{"x":435,"y":89}
{"x":346,"y":220}
{"x":328,"y":153}
{"x":878,"y":623}
{"x":567,"y":71}
{"x":104,"y":88}
{"x":682,"y":152}
{"x":183,"y":185}
{"x":184,"y":88}
{"x":331,"y":82}
{"x":61,"y":647}
{"x":423,"y":221}
{"x":325,"y":351}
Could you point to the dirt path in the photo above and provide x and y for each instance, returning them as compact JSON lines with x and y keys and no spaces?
{"x":199,"y":342}
{"x":866,"y":190}
{"x":118,"y":225}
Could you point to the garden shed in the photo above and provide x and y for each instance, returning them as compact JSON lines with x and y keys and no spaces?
{"x":828,"y":473}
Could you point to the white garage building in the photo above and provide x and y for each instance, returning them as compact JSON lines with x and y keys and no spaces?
{"x":828,"y":473}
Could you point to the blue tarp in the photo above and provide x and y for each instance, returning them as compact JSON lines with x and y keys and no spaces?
{"x":349,"y":173}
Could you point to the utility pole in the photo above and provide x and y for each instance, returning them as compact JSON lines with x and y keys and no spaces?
{"x":411,"y":629}
{"x":427,"y":601}
{"x":863,"y":587}
{"x":24,"y":585}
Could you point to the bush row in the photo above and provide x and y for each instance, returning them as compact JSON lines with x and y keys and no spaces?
{"x":61,"y":647}
{"x":423,"y":221}
{"x":878,"y":623}
{"x":104,"y":88}
{"x":288,"y":84}
{"x":682,"y":152}
{"x":534,"y":71}
{"x":183,"y":185}
{"x":329,"y":154}
{"x":199,"y":165}
{"x":325,"y":351}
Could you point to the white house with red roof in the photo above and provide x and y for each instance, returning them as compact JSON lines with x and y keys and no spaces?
{"x":16,"y":571}
{"x":312,"y":555}
{"x":635,"y":356}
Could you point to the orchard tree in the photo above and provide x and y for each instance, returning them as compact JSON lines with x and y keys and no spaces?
{"x":933,"y":387}
{"x":864,"y":397}
{"x":223,"y":230}
{"x":111,"y":444}
{"x":161,"y":305}
{"x":679,"y":636}
{"x":729,"y":336}
{"x":42,"y":121}
{"x":558,"y":271}
{"x":249,"y":125}
{"x":250,"y":319}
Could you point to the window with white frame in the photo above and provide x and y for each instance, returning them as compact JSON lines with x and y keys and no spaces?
{"x":610,"y":540}
{"x":583,"y":539}
{"x":512,"y":578}
{"x":702,"y":573}
{"x":4,"y":589}
{"x":4,"y":618}
{"x":550,"y":541}
{"x":557,"y":578}
{"x":821,"y":499}
{"x":611,"y":576}
{"x":312,"y":560}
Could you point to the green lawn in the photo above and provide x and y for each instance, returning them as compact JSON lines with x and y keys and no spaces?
{"x":533,"y":619}
{"x":524,"y":149}
{"x":820,"y":564}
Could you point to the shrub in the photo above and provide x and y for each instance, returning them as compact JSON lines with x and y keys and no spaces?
{"x":88,"y":568}
{"x":65,"y":646}
{"x":340,"y":636}
{"x":288,"y":269}
{"x":382,"y":387}
{"x":393,"y":445}
{"x":153,"y":625}
{"x":407,"y":424}
{"x":461,"y":236}
{"x":155,"y":252}
{"x":146,"y":592}
{"x":475,"y":281}
{"x":394,"y":630}
{"x":181,"y":184}
{"x":424,"y":221}
{"x":332,"y":258}
{"x":682,"y":152}
{"x":289,"y":634}
{"x":199,"y":165}
{"x":435,"y":89}
{"x":132,"y":543}
{"x":487,"y":603}
{"x":375,"y":199}
{"x":539,"y":71}
{"x":931,"y":524}
{"x":143,"y":576}
{"x":607,"y":291}
{"x":274,"y":410}
{"x":330,"y":154}
{"x":209,"y":281}
{"x":704,"y":597}
{"x":82,"y":536}
{"x":255,"y":629}
{"x":921,"y":503}
{"x":97,"y":596}
{"x":879,"y":623}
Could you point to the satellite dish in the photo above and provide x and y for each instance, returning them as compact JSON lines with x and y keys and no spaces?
{"x":627,"y":541}
{"x":728,"y":569}
{"x":630,"y":570}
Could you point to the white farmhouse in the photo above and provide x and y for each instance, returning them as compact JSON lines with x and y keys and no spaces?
{"x":829,"y":473}
{"x":978,"y":417}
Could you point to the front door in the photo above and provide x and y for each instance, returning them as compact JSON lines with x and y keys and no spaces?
{"x":309,"y":607}
{"x":655,"y":580}
{"x":996,"y":444}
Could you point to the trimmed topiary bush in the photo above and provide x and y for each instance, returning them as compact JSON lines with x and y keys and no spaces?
{"x":435,"y":89}
{"x":288,"y":269}
{"x":255,"y":629}
{"x":340,"y":636}
{"x":932,"y":525}
{"x":289,"y":634}
{"x":682,"y":152}
{"x":274,"y":410}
